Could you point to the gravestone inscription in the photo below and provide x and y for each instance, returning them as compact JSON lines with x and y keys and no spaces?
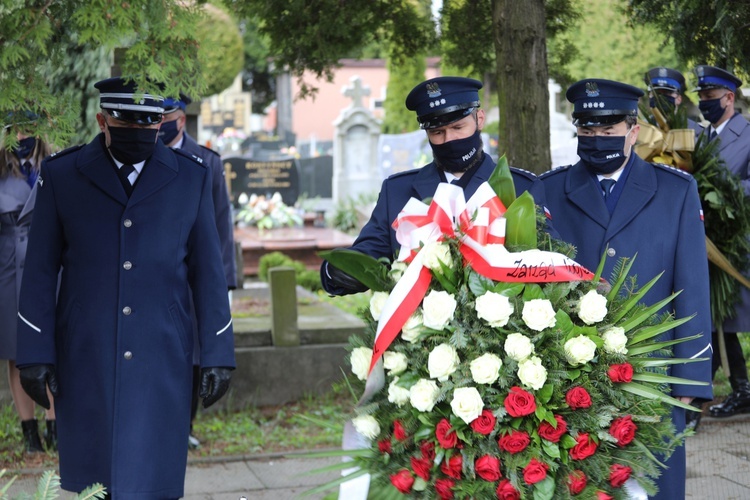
{"x":248,"y":176}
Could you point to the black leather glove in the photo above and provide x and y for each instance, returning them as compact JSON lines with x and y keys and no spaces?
{"x":339,"y":279}
{"x":214,"y":383}
{"x":35,"y":379}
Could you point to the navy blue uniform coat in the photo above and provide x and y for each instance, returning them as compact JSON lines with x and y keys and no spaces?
{"x":378,"y":238}
{"x":657,"y":217}
{"x":119,"y":335}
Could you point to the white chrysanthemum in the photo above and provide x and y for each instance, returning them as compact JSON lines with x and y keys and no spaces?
{"x":442,"y":362}
{"x":532,"y":373}
{"x":376,"y":304}
{"x":437,"y":309}
{"x":396,"y":394}
{"x":592,"y":308}
{"x":413,"y":327}
{"x":394,"y":362}
{"x":467,"y":403}
{"x":423,"y":395}
{"x":494,"y":308}
{"x":579,"y":350}
{"x":615,"y":340}
{"x":434,"y":253}
{"x":367,"y":426}
{"x":486,"y":368}
{"x":397,"y":270}
{"x":360,"y":359}
{"x":538,"y":314}
{"x":518,"y":346}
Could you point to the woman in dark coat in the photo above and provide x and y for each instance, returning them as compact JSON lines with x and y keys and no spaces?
{"x":19,"y":170}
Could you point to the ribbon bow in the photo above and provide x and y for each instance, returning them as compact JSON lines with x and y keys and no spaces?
{"x":674,"y":148}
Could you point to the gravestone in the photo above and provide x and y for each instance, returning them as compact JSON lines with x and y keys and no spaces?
{"x":316,"y":176}
{"x":248,"y":176}
{"x":400,"y":152}
{"x":355,"y":168}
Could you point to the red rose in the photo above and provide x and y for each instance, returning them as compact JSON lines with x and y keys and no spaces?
{"x":488,"y":468}
{"x":445,"y":434}
{"x":421,"y":467}
{"x":428,"y":450}
{"x":535,"y":471}
{"x":519,"y":403}
{"x":585,"y":447}
{"x":398,"y":430}
{"x":506,"y":491}
{"x":444,"y":488}
{"x":576,"y":482}
{"x":550,"y":433}
{"x":600,"y":495}
{"x":453,"y":466}
{"x":384,"y":446}
{"x":621,"y":373}
{"x":484,"y":423}
{"x":623,"y":429}
{"x":578,"y":398}
{"x":514,"y":442}
{"x":618,"y":474}
{"x":402,"y":480}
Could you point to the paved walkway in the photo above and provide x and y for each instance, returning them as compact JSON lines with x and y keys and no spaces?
{"x":718,"y":468}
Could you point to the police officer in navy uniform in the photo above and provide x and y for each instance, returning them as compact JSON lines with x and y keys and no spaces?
{"x":172,"y":133}
{"x":670,"y":85}
{"x":129,"y":227}
{"x":717,"y":90}
{"x":448,"y":109}
{"x":612,"y":201}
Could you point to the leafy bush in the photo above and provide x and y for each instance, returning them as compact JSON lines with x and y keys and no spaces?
{"x":305,"y":278}
{"x":48,"y":488}
{"x":345,"y":215}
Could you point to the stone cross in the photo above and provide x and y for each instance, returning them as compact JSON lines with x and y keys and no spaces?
{"x":356,"y":91}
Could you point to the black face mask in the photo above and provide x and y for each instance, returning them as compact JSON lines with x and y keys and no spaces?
{"x":458,"y":155}
{"x":667,"y":99}
{"x":712,"y":109}
{"x":602,"y":154}
{"x":168,"y":131}
{"x":25,"y":147}
{"x":132,"y":145}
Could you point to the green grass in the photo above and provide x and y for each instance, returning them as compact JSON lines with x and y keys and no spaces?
{"x":348,"y":303}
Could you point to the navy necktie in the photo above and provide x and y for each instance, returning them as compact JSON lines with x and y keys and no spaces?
{"x":123,"y":172}
{"x":607,"y":185}
{"x":711,"y":134}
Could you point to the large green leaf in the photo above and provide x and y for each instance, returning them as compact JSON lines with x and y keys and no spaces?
{"x":520,"y":228}
{"x":501,"y":181}
{"x":660,"y":378}
{"x":645,"y":314}
{"x":653,"y":393}
{"x":367,"y":270}
{"x":635,"y":299}
{"x":650,"y":332}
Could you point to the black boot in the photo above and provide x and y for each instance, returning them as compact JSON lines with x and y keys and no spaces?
{"x":693,"y":418}
{"x":737,"y":402}
{"x":31,"y":436}
{"x":50,"y":435}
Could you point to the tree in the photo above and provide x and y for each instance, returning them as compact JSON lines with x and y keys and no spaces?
{"x":403,"y":78}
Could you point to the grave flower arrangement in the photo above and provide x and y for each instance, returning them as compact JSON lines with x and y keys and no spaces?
{"x":495,"y":374}
{"x":267,"y":213}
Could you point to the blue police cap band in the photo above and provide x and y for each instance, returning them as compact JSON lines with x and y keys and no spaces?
{"x":172,"y":105}
{"x":709,"y":82}
{"x":665,"y":83}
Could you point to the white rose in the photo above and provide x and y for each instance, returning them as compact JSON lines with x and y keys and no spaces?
{"x":538,"y":314}
{"x":412,"y":328}
{"x":396,"y":394}
{"x":467,"y":404}
{"x":376,"y":304}
{"x":423,"y":395}
{"x":442,"y":361}
{"x":494,"y":308}
{"x":592,"y":307}
{"x":579,"y":350}
{"x":532,"y":373}
{"x":397,"y":270}
{"x":437,"y":309}
{"x":394,"y":362}
{"x":367,"y":426}
{"x":486,"y":368}
{"x":615,"y":340}
{"x":434,"y":253}
{"x":361,"y":358}
{"x":518,"y":346}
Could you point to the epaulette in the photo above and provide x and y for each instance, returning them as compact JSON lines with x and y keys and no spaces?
{"x":210,"y":150}
{"x":555,"y":170}
{"x":673,"y":170}
{"x":524,"y":173}
{"x":64,"y":152}
{"x":182,"y":152}
{"x":404,"y":173}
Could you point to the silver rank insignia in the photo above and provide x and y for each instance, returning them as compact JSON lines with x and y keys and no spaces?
{"x":40,"y":181}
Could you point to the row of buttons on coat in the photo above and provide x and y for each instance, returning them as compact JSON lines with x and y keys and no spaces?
{"x":127,"y":265}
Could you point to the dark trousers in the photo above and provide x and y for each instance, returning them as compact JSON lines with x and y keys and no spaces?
{"x":737,"y":363}
{"x":196,"y":394}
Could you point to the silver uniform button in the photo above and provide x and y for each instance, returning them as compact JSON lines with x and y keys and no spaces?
{"x":611,"y":252}
{"x":127,"y":223}
{"x":127,"y":265}
{"x":128,"y":355}
{"x":126,"y":310}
